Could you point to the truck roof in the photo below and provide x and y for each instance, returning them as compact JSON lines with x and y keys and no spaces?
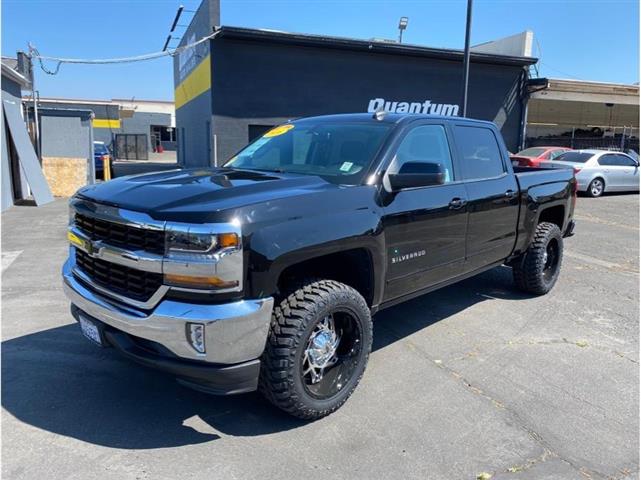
{"x":391,"y":118}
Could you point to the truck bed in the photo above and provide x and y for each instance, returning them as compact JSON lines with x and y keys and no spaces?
{"x":533,"y":176}
{"x":542,"y":187}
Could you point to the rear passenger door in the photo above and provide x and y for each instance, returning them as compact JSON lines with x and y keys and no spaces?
{"x":492,"y":195}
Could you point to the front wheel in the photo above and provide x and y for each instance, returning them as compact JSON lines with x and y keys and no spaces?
{"x":317,"y":349}
{"x":538,"y":269}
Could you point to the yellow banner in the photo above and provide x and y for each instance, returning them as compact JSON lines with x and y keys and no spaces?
{"x":197,"y":82}
{"x":105,"y":123}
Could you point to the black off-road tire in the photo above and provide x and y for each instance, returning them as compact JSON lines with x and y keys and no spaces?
{"x":530,"y":274}
{"x":293,"y":320}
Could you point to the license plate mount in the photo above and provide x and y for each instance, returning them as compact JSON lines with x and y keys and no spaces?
{"x":91,"y":330}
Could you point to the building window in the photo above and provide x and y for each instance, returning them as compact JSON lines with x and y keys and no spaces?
{"x":163,"y":133}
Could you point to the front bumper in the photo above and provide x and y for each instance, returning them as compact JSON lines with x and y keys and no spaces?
{"x":216,"y":379}
{"x":235,"y":333}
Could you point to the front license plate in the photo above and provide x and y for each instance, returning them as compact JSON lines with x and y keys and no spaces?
{"x":90,"y":330}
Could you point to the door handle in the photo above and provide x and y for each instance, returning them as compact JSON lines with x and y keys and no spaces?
{"x":510,"y":194}
{"x":457,"y":203}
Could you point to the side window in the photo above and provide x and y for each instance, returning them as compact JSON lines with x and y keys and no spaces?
{"x":425,"y":144}
{"x":625,"y":161}
{"x":606,"y":160}
{"x":556,"y":153}
{"x":479,"y":152}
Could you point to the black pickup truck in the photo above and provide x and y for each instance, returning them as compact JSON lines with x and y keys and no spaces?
{"x":264,"y":273}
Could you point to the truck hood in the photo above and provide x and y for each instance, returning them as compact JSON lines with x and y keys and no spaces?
{"x":193,"y":194}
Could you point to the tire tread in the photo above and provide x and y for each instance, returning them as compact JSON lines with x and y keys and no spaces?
{"x":527,"y":272}
{"x":289,"y":319}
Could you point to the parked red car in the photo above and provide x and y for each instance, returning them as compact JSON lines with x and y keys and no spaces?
{"x":530,"y":157}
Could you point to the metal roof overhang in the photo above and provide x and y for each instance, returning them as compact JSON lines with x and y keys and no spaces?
{"x":579,"y":103}
{"x":371,"y":46}
{"x":15,"y":76}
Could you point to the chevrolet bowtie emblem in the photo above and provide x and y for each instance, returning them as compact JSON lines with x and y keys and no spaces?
{"x":83,"y":244}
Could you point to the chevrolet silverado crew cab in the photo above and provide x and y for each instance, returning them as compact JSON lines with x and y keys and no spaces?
{"x":264,"y":273}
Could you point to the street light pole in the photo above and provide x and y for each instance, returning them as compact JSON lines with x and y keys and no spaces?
{"x":402,"y":25}
{"x":466,"y":56}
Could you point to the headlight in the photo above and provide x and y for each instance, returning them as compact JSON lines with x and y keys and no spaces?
{"x":199,"y":243}
{"x":199,"y":259}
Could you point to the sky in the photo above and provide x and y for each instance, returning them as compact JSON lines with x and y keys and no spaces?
{"x":586,"y":40}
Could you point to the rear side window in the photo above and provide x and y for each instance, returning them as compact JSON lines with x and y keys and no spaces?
{"x":606,"y":160}
{"x":479,"y":152}
{"x":555,"y":153}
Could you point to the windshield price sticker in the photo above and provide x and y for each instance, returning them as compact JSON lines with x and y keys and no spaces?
{"x":274,"y":132}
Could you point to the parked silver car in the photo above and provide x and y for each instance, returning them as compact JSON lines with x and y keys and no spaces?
{"x":599,"y":171}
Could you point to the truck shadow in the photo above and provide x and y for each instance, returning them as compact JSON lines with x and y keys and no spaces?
{"x":56,"y":381}
{"x":400,"y":321}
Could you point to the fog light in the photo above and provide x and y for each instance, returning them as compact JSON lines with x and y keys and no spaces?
{"x":197,"y":336}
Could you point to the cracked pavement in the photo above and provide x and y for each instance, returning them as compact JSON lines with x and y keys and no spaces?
{"x":475,"y":378}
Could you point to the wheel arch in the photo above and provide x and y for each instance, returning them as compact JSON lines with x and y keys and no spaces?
{"x":354,"y":267}
{"x":553,"y":214}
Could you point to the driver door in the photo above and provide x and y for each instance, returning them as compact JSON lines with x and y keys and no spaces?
{"x":424,"y":227}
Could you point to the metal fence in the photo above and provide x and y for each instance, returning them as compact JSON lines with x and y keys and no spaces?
{"x":130,"y":146}
{"x":601,"y":143}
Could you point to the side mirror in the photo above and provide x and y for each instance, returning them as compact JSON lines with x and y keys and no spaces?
{"x":417,"y":174}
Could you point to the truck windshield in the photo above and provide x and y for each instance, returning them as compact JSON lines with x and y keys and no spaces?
{"x":100,"y":149}
{"x":339,"y":152}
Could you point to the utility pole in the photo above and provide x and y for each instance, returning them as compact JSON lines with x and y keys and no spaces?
{"x":466,"y":56}
{"x":36,"y":121}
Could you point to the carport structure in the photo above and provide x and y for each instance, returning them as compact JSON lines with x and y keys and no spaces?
{"x":583,"y":114}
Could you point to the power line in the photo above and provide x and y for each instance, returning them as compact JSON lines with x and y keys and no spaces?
{"x":103,"y":61}
{"x":550,"y":66}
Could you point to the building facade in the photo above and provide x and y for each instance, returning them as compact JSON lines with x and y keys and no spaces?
{"x":150,"y":120}
{"x":22,"y":175}
{"x":244,"y":81}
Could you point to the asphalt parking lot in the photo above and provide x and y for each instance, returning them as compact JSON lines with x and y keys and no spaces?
{"x":470,"y":379}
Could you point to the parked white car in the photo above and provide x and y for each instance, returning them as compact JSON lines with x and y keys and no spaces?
{"x":599,"y":171}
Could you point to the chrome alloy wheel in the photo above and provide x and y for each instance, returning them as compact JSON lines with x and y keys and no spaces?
{"x":321,"y":349}
{"x":596,"y":187}
{"x":331,"y":355}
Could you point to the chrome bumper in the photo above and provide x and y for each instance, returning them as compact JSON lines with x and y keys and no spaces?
{"x":234,"y":332}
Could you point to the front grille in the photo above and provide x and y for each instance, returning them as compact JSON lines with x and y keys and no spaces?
{"x":126,"y":281}
{"x":124,"y":236}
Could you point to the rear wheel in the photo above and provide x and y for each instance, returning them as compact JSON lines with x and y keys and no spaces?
{"x":596,"y":187}
{"x":538,"y":269}
{"x":317,"y":349}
